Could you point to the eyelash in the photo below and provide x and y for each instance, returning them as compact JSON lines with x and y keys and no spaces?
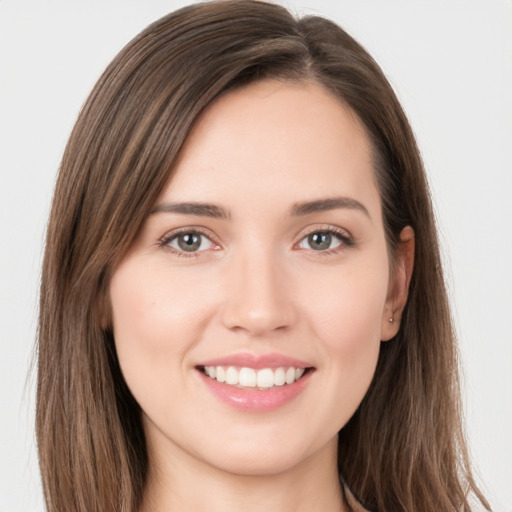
{"x":346,"y":241}
{"x":345,"y":238}
{"x":169,"y":237}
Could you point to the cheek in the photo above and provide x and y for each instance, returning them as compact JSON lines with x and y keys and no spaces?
{"x":151,"y":308}
{"x":346,"y":318}
{"x":348,"y":309}
{"x":155,"y":321}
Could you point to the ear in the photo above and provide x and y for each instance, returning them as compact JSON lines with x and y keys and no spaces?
{"x":104,"y":313}
{"x":398,"y":285}
{"x":102,"y":307}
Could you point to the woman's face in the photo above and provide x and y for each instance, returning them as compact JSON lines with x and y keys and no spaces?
{"x":263,"y":263}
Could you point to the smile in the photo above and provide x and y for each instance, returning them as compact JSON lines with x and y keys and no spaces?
{"x":245,"y":377}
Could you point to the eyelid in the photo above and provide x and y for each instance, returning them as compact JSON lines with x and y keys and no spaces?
{"x":345,"y":236}
{"x":164,"y":240}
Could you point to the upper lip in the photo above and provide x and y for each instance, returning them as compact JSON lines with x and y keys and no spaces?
{"x":245,"y":359}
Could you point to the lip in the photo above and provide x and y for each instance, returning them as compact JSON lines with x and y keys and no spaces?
{"x":253,"y":399}
{"x":273,"y":360}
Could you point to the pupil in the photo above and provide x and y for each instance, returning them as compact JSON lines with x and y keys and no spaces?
{"x":189,"y":242}
{"x":319,"y":241}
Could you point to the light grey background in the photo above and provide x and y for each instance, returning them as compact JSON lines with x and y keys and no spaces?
{"x":451,"y":65}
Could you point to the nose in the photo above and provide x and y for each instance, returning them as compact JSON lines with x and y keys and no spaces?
{"x":258,"y":298}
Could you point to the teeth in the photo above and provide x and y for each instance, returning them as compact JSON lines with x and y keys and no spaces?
{"x":220,"y":374}
{"x":279,"y":377}
{"x":265,"y":378}
{"x":247,"y":378}
{"x":250,"y":378}
{"x":290,"y":375}
{"x":232,"y":376}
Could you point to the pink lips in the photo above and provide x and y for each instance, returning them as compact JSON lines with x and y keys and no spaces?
{"x":253,"y":399}
{"x":256,"y":362}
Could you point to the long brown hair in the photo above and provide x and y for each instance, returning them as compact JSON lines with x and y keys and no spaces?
{"x":404,"y":449}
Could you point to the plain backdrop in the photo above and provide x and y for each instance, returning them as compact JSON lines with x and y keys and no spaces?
{"x":450,"y":62}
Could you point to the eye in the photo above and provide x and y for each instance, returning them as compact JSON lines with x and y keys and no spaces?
{"x":324,"y":240}
{"x":187,"y":242}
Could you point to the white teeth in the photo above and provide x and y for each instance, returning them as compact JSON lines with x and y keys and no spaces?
{"x":220,"y":374}
{"x":250,"y":378}
{"x":231,"y":376}
{"x":247,"y":378}
{"x":279,"y":377}
{"x":265,"y":378}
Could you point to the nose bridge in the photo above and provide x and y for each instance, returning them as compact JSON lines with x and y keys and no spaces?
{"x":257,"y":297}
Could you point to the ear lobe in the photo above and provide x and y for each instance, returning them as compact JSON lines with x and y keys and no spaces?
{"x":399,"y":285}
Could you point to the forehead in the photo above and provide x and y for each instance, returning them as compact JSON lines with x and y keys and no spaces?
{"x":286,"y":141}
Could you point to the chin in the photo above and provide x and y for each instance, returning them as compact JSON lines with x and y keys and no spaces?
{"x":257,"y":464}
{"x":268,"y":456}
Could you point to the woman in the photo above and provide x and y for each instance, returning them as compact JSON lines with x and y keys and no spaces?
{"x":242,"y":284}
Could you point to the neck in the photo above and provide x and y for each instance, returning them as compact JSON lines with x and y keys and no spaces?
{"x":186,"y":483}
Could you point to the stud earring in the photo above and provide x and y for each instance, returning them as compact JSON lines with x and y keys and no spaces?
{"x":391,"y":320}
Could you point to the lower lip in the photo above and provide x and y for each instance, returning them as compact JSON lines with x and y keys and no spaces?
{"x":256,"y":400}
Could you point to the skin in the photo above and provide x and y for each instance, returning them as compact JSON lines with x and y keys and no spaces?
{"x":257,"y":285}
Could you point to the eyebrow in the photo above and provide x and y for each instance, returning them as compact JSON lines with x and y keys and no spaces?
{"x":193,"y":208}
{"x":298,"y":209}
{"x":322,"y":205}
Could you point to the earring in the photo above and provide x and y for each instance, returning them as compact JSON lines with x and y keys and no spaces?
{"x":391,"y":320}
